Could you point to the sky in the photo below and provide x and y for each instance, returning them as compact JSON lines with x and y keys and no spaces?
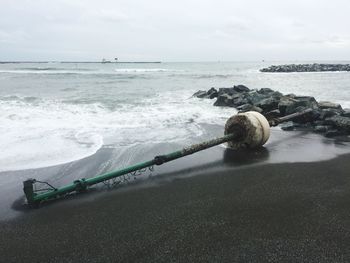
{"x":178,"y":30}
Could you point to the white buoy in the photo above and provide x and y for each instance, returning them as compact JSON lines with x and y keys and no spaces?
{"x":253,"y":128}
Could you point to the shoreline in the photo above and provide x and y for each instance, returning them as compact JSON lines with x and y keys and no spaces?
{"x":272,"y":204}
{"x":282,"y":147}
{"x":285,"y":211}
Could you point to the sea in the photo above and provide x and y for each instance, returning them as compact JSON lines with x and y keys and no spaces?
{"x":55,"y":113}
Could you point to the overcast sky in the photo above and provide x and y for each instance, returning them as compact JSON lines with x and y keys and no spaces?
{"x":178,"y":30}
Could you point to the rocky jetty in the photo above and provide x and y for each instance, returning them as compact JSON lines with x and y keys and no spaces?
{"x":307,"y":68}
{"x":326,"y":117}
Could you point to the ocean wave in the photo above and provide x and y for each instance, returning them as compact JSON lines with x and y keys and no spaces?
{"x":140,"y":70}
{"x":210,"y":76}
{"x":93,"y":73}
{"x":53,"y":69}
{"x":59,"y":132}
{"x":14,"y":98}
{"x":200,"y":76}
{"x":48,"y":71}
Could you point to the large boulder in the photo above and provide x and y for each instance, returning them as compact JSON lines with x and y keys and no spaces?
{"x":339,"y":122}
{"x":212,"y":93}
{"x":224,"y":100}
{"x":268,"y":104}
{"x":329,"y":112}
{"x":248,"y":107}
{"x":272,"y":114}
{"x":288,"y":126}
{"x":322,"y":128}
{"x":284,"y":103}
{"x":229,"y":91}
{"x":265,"y":91}
{"x":254,"y":96}
{"x":200,"y":94}
{"x":241,"y":88}
{"x":241,"y":99}
{"x":346,"y":113}
{"x":334,"y":133}
{"x":329,"y":105}
{"x":297,"y":103}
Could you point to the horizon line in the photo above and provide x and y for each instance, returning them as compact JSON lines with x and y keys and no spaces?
{"x":150,"y":62}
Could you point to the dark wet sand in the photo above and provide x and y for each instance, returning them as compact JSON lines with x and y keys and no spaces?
{"x":264,"y":213}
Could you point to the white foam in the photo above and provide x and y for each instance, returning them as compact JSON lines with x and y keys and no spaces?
{"x":42,"y":133}
{"x":135,"y":70}
{"x":53,"y":71}
{"x":85,"y":71}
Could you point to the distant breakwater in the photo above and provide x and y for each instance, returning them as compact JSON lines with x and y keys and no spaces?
{"x":326,"y":117}
{"x":306,"y":68}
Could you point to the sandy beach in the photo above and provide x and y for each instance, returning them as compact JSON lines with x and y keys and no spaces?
{"x":214,"y":206}
{"x":133,"y":92}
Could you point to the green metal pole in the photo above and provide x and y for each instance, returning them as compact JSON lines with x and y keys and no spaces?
{"x":82,"y":184}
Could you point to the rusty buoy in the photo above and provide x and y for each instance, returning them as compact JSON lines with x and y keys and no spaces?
{"x":253,"y":127}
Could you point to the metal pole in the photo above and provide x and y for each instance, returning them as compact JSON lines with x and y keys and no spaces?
{"x":276,"y":121}
{"x":82,"y":184}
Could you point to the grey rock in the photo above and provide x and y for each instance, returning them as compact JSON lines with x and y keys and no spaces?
{"x":272,"y":114}
{"x":241,"y":88}
{"x":284,"y":103}
{"x":212,"y":93}
{"x":248,"y":107}
{"x":307,"y":68}
{"x":290,"y":95}
{"x":339,"y":122}
{"x":322,"y":128}
{"x":326,"y":117}
{"x":334,"y":133}
{"x":346,"y":113}
{"x":254,"y":97}
{"x":245,"y":107}
{"x":288,"y":126}
{"x":268,"y":104}
{"x":307,"y":126}
{"x":327,"y":113}
{"x":265,"y":91}
{"x":303,"y":101}
{"x":229,"y":91}
{"x":240,"y":101}
{"x":328,"y":105}
{"x":224,"y":100}
{"x":200,"y":94}
{"x":276,"y":94}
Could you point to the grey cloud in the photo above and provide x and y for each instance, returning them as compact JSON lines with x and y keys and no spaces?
{"x":174,"y":30}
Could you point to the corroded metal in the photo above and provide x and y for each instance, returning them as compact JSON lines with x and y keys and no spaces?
{"x":276,"y":121}
{"x":233,"y":133}
{"x":205,"y":145}
{"x":80,"y":185}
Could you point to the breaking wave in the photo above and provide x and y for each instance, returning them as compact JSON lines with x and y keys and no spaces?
{"x":38,"y":132}
{"x":141,"y":70}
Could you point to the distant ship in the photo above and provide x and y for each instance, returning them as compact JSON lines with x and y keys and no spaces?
{"x":105,"y":61}
{"x":108,"y":61}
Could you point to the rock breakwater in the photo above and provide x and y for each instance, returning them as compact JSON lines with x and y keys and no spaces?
{"x":307,"y":68}
{"x":326,"y":117}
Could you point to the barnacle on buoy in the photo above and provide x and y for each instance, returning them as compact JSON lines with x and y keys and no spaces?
{"x":253,"y":127}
